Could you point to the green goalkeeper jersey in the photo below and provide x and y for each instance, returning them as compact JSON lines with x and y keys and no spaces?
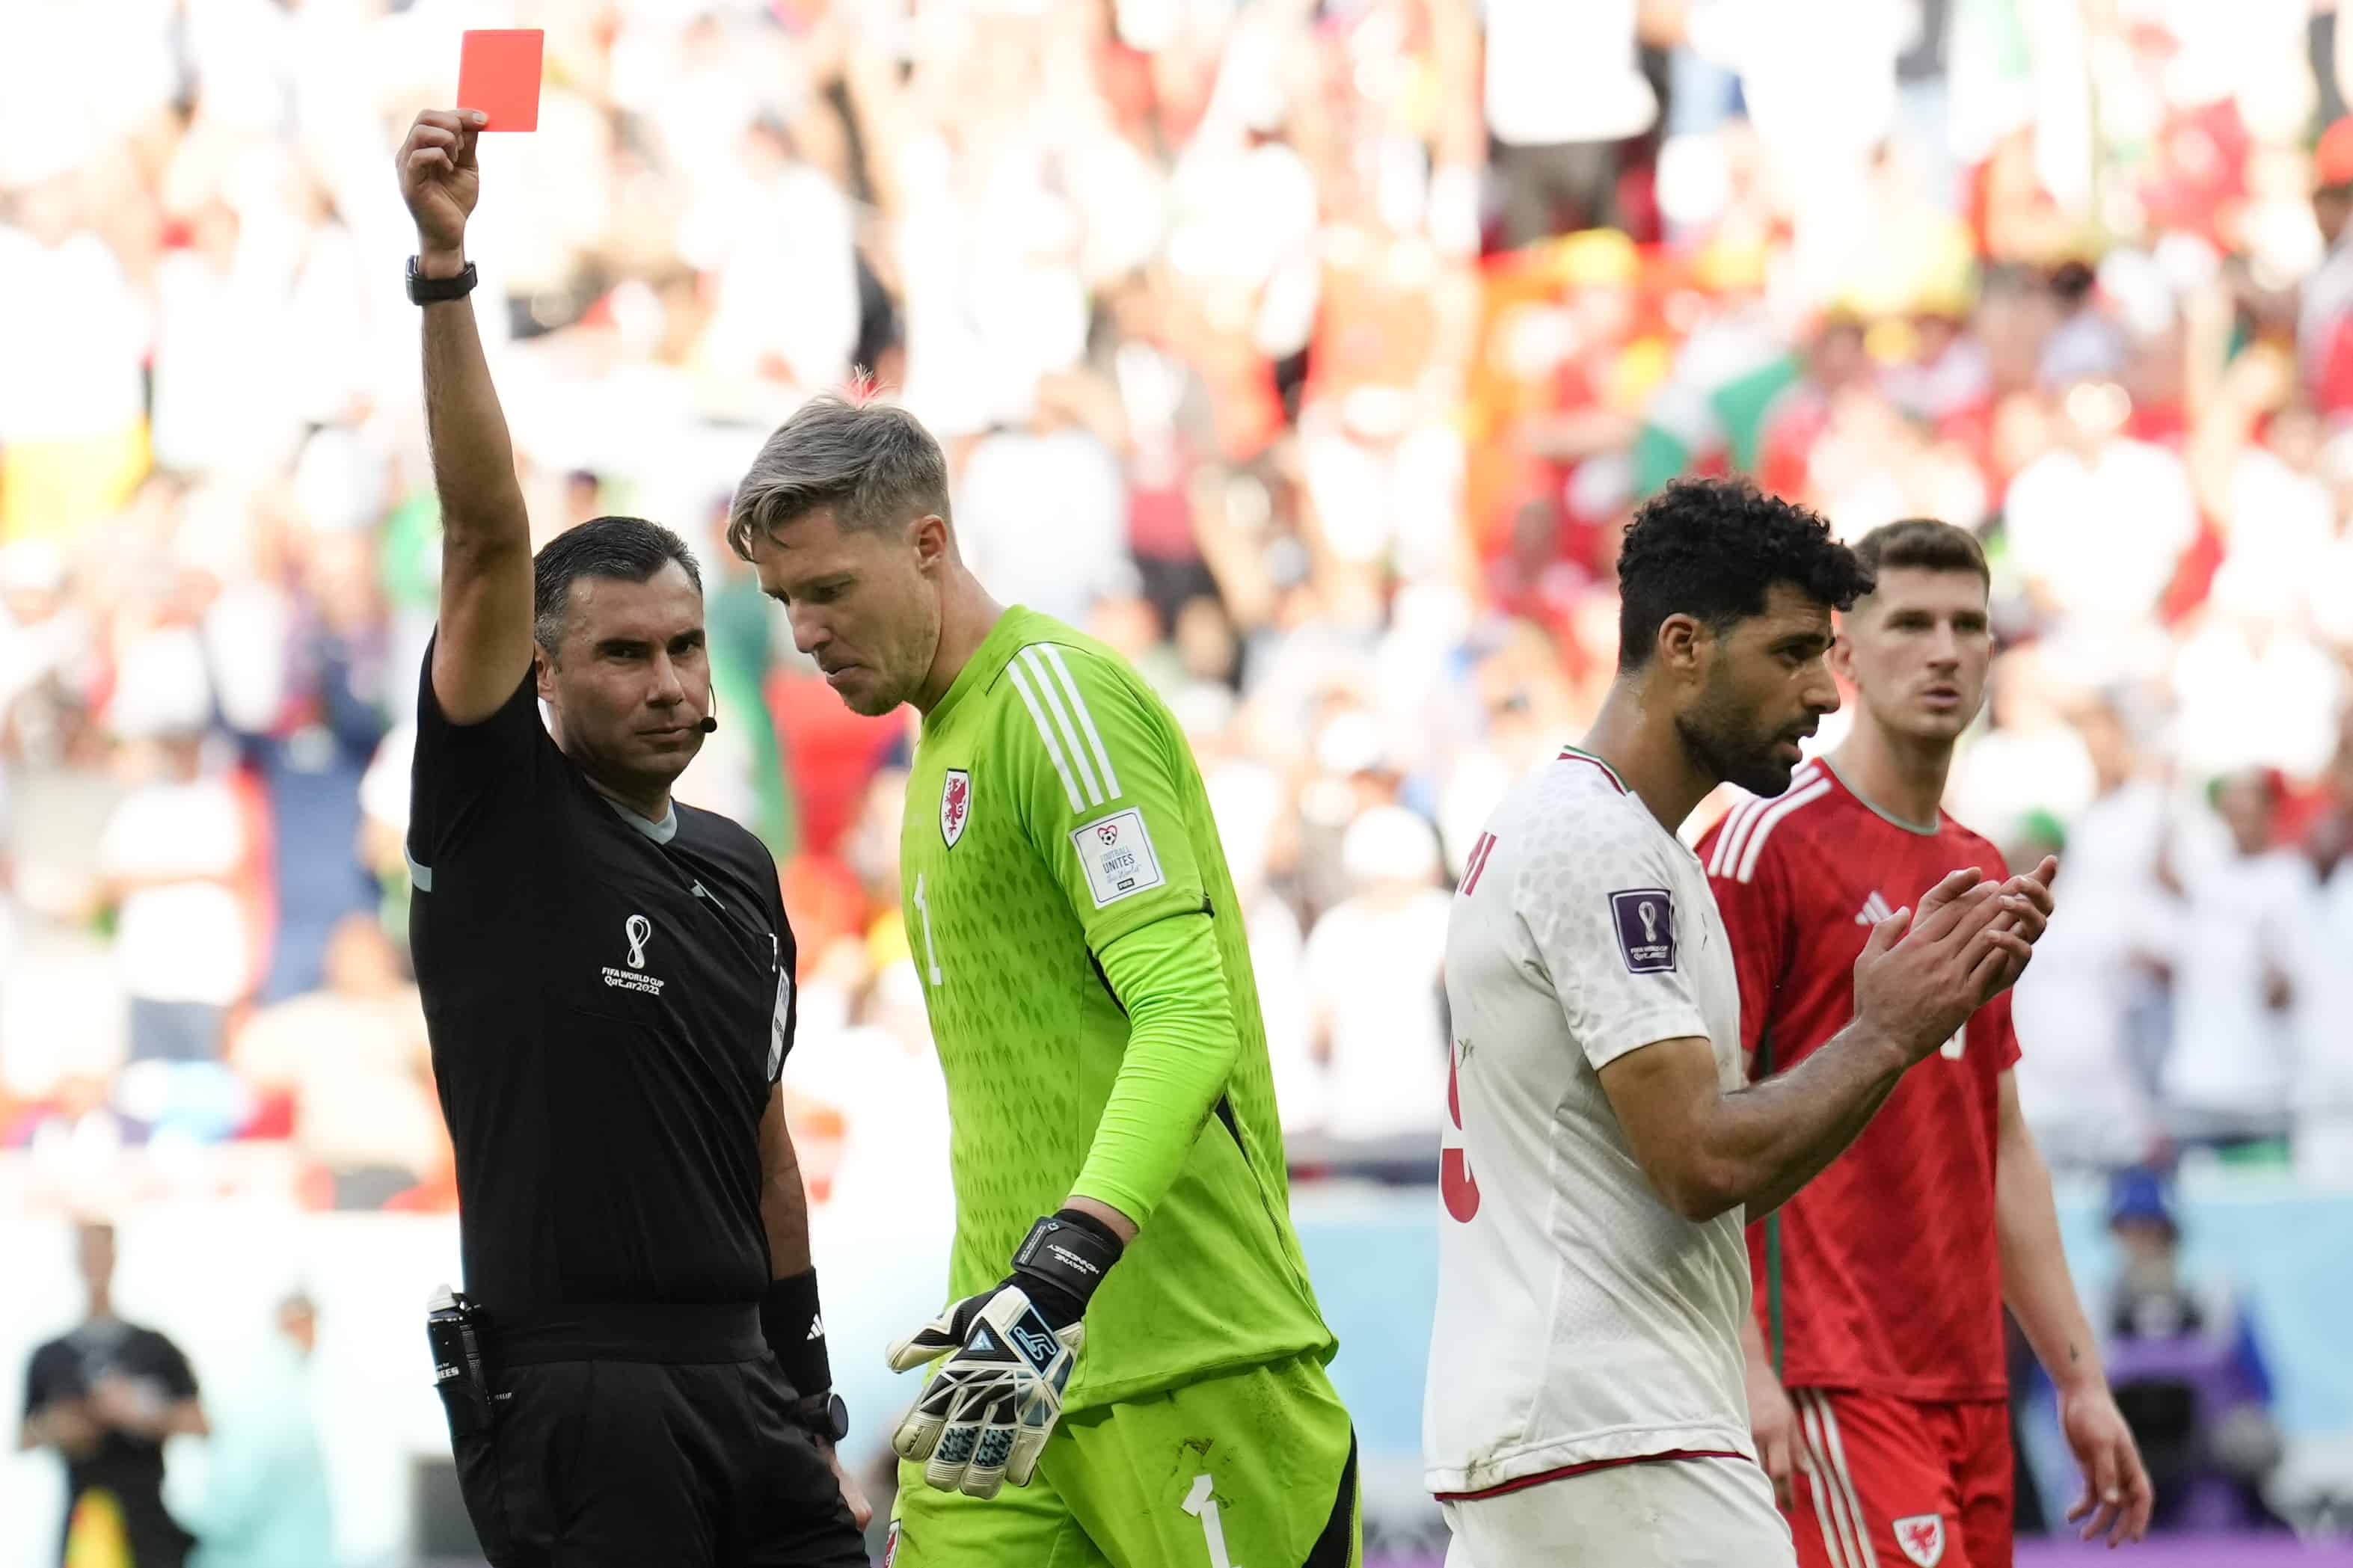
{"x":1053,"y":809}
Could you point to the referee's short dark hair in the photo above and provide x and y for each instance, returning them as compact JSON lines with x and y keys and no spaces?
{"x":872,"y":462}
{"x":627,"y":549}
{"x":1713,"y":548}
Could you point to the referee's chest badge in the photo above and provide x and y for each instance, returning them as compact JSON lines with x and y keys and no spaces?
{"x":637,"y":931}
{"x":955,"y":804}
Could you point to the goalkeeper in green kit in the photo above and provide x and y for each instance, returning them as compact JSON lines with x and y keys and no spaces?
{"x":1130,"y":1338}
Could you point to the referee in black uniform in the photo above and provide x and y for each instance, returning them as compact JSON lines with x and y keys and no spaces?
{"x":608,"y":980}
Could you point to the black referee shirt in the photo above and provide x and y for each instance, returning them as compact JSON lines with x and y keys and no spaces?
{"x":610,"y":1001}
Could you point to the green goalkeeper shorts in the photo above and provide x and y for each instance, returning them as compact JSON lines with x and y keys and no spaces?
{"x":1254,"y":1469}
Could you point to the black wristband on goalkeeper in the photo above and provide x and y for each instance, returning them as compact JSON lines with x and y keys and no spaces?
{"x":790,"y":1323}
{"x":1062,"y":1261}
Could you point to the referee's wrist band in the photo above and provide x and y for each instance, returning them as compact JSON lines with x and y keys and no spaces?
{"x":424,"y":290}
{"x":790,"y":1322}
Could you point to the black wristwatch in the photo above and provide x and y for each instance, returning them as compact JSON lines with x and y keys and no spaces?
{"x":825,"y":1415}
{"x":424,"y":290}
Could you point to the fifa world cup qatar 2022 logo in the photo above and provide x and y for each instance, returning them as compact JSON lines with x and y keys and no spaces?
{"x":636,"y":932}
{"x":1645,"y":918}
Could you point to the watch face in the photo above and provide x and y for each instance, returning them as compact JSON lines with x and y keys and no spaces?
{"x":837,"y":1418}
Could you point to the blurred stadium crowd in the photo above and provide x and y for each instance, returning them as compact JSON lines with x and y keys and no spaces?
{"x":1311,"y":352}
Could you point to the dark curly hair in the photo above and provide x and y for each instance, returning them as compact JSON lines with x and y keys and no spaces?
{"x":1712,"y":549}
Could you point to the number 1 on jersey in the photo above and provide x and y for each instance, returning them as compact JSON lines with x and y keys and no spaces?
{"x":1201,"y":1505}
{"x":931,"y":948}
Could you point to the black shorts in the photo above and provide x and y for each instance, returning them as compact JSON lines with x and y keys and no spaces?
{"x":630,"y":1463}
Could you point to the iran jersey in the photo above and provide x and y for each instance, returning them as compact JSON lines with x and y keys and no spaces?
{"x":1891,"y":1275}
{"x":1581,"y":1321}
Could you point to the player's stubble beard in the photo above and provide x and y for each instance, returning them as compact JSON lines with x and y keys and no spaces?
{"x":1719,"y":734}
{"x":906,"y":666}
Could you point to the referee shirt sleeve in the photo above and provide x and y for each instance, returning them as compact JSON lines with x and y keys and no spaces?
{"x":468,"y":779}
{"x":784,"y":1023}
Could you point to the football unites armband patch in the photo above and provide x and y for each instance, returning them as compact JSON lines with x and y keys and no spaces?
{"x":1117,"y":854}
{"x":1646,"y":929}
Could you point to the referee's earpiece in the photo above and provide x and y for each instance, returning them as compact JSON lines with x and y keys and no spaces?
{"x":711,"y":719}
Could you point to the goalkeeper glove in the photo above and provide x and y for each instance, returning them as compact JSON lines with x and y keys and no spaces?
{"x":986,"y":1415}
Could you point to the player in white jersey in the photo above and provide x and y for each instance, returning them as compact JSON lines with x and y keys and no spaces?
{"x":1585,"y":1404}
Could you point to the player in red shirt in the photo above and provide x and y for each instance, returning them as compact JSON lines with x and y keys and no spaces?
{"x":1895,"y":1261}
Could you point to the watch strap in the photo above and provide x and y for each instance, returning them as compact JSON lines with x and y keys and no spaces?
{"x":424,"y":290}
{"x":826,"y":1414}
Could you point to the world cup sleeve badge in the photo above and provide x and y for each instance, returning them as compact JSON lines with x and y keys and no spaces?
{"x":1645,"y":919}
{"x":955,"y":804}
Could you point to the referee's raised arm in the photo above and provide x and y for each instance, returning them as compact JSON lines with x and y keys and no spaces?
{"x":608,"y":980}
{"x":484,"y":644}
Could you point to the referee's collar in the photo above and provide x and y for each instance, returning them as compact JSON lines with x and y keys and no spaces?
{"x":660,"y":832}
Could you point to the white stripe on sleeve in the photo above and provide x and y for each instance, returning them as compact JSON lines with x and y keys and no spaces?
{"x":1086,"y":721}
{"x":1771,"y":818}
{"x":1736,"y":838}
{"x":1046,"y":733}
{"x":1719,"y":862}
{"x":1053,"y":701}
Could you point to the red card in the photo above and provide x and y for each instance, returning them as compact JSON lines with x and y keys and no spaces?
{"x":497,"y":73}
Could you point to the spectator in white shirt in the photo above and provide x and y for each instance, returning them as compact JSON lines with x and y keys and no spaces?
{"x":1041,"y":516}
{"x":1252,"y":805}
{"x":1563,"y":90}
{"x":225,"y":400}
{"x":168,"y":861}
{"x":1374,"y":985}
{"x":353,"y":1056}
{"x":2324,"y":1096}
{"x":779,"y":236}
{"x":1820,"y":143}
{"x":2254,"y":689}
{"x":2097,"y":525}
{"x":74,"y":332}
{"x":870,"y":1100}
{"x":2247,"y":915}
{"x":2085,"y":1007}
{"x":2029,"y":760}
